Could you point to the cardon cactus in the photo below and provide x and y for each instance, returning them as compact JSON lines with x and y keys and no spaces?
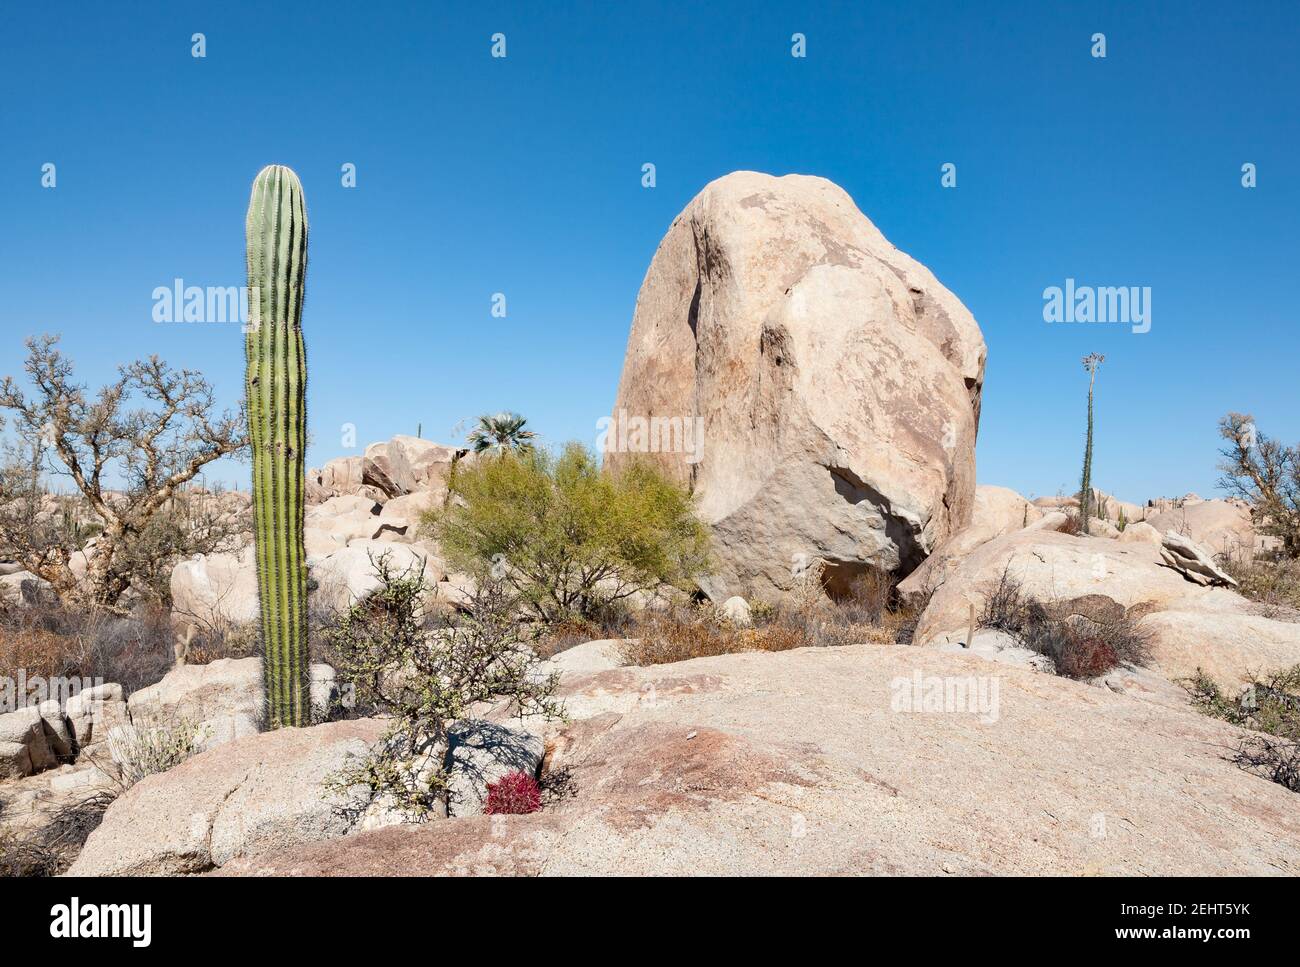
{"x":276,"y":388}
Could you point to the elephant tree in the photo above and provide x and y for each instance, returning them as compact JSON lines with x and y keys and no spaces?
{"x":130,"y":450}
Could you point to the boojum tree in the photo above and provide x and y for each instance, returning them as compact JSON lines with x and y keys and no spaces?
{"x":1090,"y":363}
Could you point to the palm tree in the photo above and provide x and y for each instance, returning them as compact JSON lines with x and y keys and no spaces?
{"x":501,"y":433}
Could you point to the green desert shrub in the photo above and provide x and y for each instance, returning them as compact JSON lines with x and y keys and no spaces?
{"x":568,"y":538}
{"x":422,"y":671}
{"x":1269,"y":706}
{"x":141,"y":752}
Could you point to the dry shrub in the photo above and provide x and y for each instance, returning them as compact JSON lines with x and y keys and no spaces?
{"x":62,"y":640}
{"x":1277,"y":760}
{"x":1272,"y":581}
{"x":1072,"y":525}
{"x":25,"y":857}
{"x":1270,"y":707}
{"x":1269,"y":703}
{"x":50,"y":850}
{"x":141,"y":752}
{"x":869,"y":613}
{"x":1084,"y":637}
{"x":680,"y":634}
{"x":229,"y":641}
{"x":568,"y":633}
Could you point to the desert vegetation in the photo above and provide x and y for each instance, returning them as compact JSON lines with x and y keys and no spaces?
{"x":1269,"y":707}
{"x":423,"y":671}
{"x":155,"y":429}
{"x":567,"y":538}
{"x":1083,"y":638}
{"x":1266,"y":474}
{"x":446,"y":583}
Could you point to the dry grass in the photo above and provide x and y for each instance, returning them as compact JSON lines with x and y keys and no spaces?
{"x":1272,"y":582}
{"x":62,"y":641}
{"x":868,"y":614}
{"x":666,"y":637}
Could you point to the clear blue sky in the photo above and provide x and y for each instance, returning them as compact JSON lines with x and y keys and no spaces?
{"x":523,"y":176}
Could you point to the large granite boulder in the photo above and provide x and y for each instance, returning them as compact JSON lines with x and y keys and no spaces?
{"x":818,"y":389}
{"x":1221,"y":526}
{"x":997,"y":511}
{"x":215,"y":590}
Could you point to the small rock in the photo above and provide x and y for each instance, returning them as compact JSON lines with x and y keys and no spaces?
{"x":736,"y":610}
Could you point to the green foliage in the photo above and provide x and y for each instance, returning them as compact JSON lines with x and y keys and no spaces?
{"x":500,"y":433}
{"x":423,"y":672}
{"x":277,"y":423}
{"x":567,"y":537}
{"x":1269,"y":704}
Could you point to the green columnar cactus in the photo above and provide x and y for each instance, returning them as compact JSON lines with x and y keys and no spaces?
{"x":276,"y":387}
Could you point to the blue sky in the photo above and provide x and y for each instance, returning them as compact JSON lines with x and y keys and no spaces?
{"x":523,"y":176}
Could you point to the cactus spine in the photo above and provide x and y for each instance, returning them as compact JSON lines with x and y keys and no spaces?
{"x":276,"y":385}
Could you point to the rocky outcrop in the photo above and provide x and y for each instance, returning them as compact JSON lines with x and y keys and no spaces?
{"x":389,"y":469}
{"x":406,"y":464}
{"x":350,"y":576}
{"x":1140,"y":533}
{"x":262,"y":792}
{"x":1192,"y":561}
{"x":1234,"y":642}
{"x":1220,"y":526}
{"x":830,"y":761}
{"x":997,"y":511}
{"x":215,"y":590}
{"x":24,"y":743}
{"x":818,"y":389}
{"x":223,"y":699}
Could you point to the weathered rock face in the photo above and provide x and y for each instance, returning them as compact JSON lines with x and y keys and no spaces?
{"x":825,"y":388}
{"x":997,"y":511}
{"x":223,"y":698}
{"x":215,"y":590}
{"x":1221,"y":526}
{"x":1192,"y":625}
{"x":262,"y":792}
{"x":24,"y":743}
{"x":822,"y":761}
